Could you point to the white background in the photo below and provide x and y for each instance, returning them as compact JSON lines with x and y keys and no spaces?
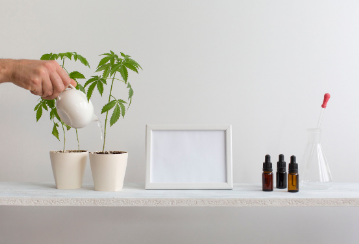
{"x":188,"y":156}
{"x":262,"y":66}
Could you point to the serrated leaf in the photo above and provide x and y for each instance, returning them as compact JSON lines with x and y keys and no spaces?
{"x":105,"y":54}
{"x":133,"y":62}
{"x":108,"y":106}
{"x":51,"y":103}
{"x":54,"y":56}
{"x":115,"y":115}
{"x":123,"y":109}
{"x":93,"y":79}
{"x":45,"y":106}
{"x":124,"y":73}
{"x":103,"y":61}
{"x":90,"y":90}
{"x":102,"y":67}
{"x":55,"y":132}
{"x":76,"y":75}
{"x":103,"y":81}
{"x":130,"y":66}
{"x":80,"y":88}
{"x":115,"y":68}
{"x":121,"y":101}
{"x":68,"y":54}
{"x":38,"y":113}
{"x":67,"y":127}
{"x":75,"y":56}
{"x":56,"y":114}
{"x":37,"y":106}
{"x":46,"y":56}
{"x":130,"y":91}
{"x":106,"y":72}
{"x":83,"y":60}
{"x":100,"y":87}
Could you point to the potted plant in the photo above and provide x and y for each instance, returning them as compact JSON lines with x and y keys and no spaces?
{"x":109,"y":167}
{"x":68,"y":165}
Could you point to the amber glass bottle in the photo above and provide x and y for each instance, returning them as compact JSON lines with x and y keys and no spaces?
{"x":267,"y":176}
{"x":293,"y":176}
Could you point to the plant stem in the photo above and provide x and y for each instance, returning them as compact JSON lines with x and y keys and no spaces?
{"x":64,"y":136}
{"x":78,"y":141}
{"x":109,"y":99}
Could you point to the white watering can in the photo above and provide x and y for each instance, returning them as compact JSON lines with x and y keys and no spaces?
{"x":74,"y":109}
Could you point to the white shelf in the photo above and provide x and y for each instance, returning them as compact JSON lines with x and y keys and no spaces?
{"x":243,"y":195}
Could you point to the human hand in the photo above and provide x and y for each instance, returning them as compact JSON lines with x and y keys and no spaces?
{"x":45,"y":78}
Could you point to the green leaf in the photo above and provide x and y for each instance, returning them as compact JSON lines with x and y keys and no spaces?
{"x":61,"y":55}
{"x":103,"y":81}
{"x":90,"y":90}
{"x":46,"y":56}
{"x":67,"y":127}
{"x":105,"y":54}
{"x":56,"y":114}
{"x":133,"y":62}
{"x":130,"y":66}
{"x":115,"y":68}
{"x":55,"y":132}
{"x":124,"y":73}
{"x":116,"y":115}
{"x":80,"y":87}
{"x":102,"y":67}
{"x":106,"y":72}
{"x":108,"y":106}
{"x":38,"y":113}
{"x":51,"y":103}
{"x":130,"y":91}
{"x":123,"y":109}
{"x":75,"y":56}
{"x":93,"y":79}
{"x":54,"y":56}
{"x":37,"y":106}
{"x":68,"y":54}
{"x":44,"y":106}
{"x":100,"y":87}
{"x":103,"y":61}
{"x":76,"y":75}
{"x":83,"y":60}
{"x":121,"y":101}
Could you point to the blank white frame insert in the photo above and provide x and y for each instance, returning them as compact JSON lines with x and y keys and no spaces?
{"x":189,"y":157}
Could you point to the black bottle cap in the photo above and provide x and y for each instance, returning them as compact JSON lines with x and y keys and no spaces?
{"x":281,"y":164}
{"x":293,"y":166}
{"x":267,"y":165}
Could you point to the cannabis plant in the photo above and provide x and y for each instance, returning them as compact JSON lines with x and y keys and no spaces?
{"x":49,"y":105}
{"x":110,"y":66}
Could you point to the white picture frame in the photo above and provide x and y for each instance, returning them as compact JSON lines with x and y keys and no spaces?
{"x":177,"y":157}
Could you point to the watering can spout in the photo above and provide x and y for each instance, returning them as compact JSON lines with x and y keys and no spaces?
{"x":94,"y":118}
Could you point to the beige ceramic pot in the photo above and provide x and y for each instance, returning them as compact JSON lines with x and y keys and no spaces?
{"x":68,"y":168}
{"x":108,"y":170}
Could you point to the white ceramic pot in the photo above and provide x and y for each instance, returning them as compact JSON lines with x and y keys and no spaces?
{"x":68,"y":168}
{"x":108,"y":170}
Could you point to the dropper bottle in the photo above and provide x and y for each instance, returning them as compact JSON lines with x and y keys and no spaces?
{"x":281,"y":173}
{"x":267,"y":176}
{"x":293,"y":176}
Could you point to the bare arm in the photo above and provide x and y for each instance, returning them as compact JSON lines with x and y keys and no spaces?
{"x":43,"y":78}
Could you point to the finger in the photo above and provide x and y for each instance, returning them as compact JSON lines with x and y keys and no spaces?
{"x":73,"y":82}
{"x":37,"y":90}
{"x":57,"y":85}
{"x":47,"y":89}
{"x":65,"y":79}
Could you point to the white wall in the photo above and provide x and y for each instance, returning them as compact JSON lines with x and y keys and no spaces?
{"x":262,"y":66}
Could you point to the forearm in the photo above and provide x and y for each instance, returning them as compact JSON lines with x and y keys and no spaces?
{"x":6,"y":70}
